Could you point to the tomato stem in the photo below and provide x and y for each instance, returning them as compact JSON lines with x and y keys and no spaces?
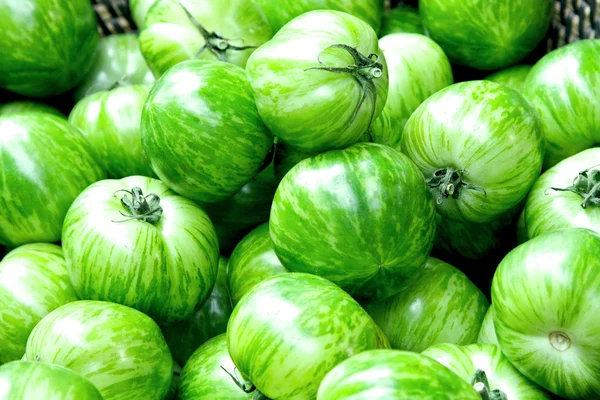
{"x":247,"y":387}
{"x":144,"y":208}
{"x":482,"y":386}
{"x":447,"y":182}
{"x":587,"y":185}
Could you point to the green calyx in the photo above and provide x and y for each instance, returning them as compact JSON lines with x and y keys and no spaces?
{"x":365,"y":69}
{"x":247,"y":387}
{"x":482,"y":386}
{"x":587,"y":185}
{"x":447,"y":182}
{"x":144,"y":208}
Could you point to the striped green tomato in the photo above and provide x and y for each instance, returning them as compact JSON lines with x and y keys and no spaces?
{"x":46,"y":46}
{"x":417,"y":69}
{"x":30,"y":380}
{"x":361,"y":217}
{"x":202,"y":132}
{"x":118,"y":61}
{"x":44,"y":164}
{"x":253,"y":260}
{"x":487,"y":333}
{"x":33,"y":282}
{"x":120,"y":350}
{"x":489,"y":35}
{"x":393,"y":374}
{"x":401,"y":19}
{"x":110,"y":121}
{"x":287,"y":332}
{"x":207,"y":322}
{"x":500,"y":375}
{"x":205,"y":375}
{"x":546,"y":296}
{"x":565,"y":196}
{"x":28,"y":107}
{"x":513,"y":77}
{"x":480,"y":146}
{"x":180,"y":30}
{"x":564,"y":87}
{"x":135,"y":242}
{"x":318,"y":89}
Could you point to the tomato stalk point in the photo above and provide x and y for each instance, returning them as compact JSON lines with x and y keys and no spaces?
{"x":446,"y":182}
{"x":482,"y":386}
{"x":560,"y":341}
{"x":587,"y":185}
{"x":144,"y":208}
{"x":247,"y":387}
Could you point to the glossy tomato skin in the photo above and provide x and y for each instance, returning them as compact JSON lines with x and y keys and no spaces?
{"x":547,"y":210}
{"x":486,"y":132}
{"x":202,"y":132}
{"x":564,"y":87}
{"x":163,"y":268}
{"x":129,"y":346}
{"x":401,"y":19}
{"x":44,"y":164}
{"x":33,"y":282}
{"x":28,"y":107}
{"x":316,"y":110}
{"x":373,"y":200}
{"x":441,"y":305}
{"x":514,"y":77}
{"x":27,"y":380}
{"x":546,"y":299}
{"x":287,"y":332}
{"x":490,"y":36}
{"x":393,"y":374}
{"x":46,"y":46}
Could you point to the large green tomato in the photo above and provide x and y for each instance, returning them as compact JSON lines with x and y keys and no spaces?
{"x":46,"y":46}
{"x":513,"y":77}
{"x":44,"y":164}
{"x":118,"y":61}
{"x":209,"y":321}
{"x":287,"y":332}
{"x":361,"y":217}
{"x":206,"y":374}
{"x":565,"y":196}
{"x":417,"y":69}
{"x":31,"y":380}
{"x":135,"y":242}
{"x":480,"y":146}
{"x":33,"y":282}
{"x":318,"y":89}
{"x":393,"y":374}
{"x":546,"y":299}
{"x":202,"y":132}
{"x":487,"y":333}
{"x":468,"y":361}
{"x":564,"y":87}
{"x":253,"y":260}
{"x":219,"y":30}
{"x":441,"y":305}
{"x":486,"y":35}
{"x":401,"y":19}
{"x":120,"y":350}
{"x":28,"y":107}
{"x":110,"y":121}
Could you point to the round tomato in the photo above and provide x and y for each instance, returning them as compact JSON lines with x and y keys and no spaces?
{"x":487,"y":333}
{"x":318,"y":89}
{"x":546,"y":296}
{"x":28,"y":107}
{"x":513,"y":77}
{"x":135,"y":242}
{"x":401,"y":19}
{"x":361,"y":217}
{"x":480,"y":146}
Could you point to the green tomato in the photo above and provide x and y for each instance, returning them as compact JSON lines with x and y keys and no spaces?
{"x":565,"y":196}
{"x":33,"y":282}
{"x":202,"y":132}
{"x":361,"y":217}
{"x":110,"y":121}
{"x":206,"y":374}
{"x":393,"y":374}
{"x":546,"y":296}
{"x":401,"y":19}
{"x":46,"y":46}
{"x":487,"y":333}
{"x":28,"y":107}
{"x":513,"y":77}
{"x":44,"y":164}
{"x":480,"y":146}
{"x":287,"y":332}
{"x":180,"y":30}
{"x":209,"y":321}
{"x":469,"y":361}
{"x":564,"y":87}
{"x":253,"y":260}
{"x":318,"y":89}
{"x":27,"y":380}
{"x":486,"y":36}
{"x":118,"y":61}
{"x":441,"y":305}
{"x":417,"y":69}
{"x":139,"y":10}
{"x":120,"y":350}
{"x":135,"y":242}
